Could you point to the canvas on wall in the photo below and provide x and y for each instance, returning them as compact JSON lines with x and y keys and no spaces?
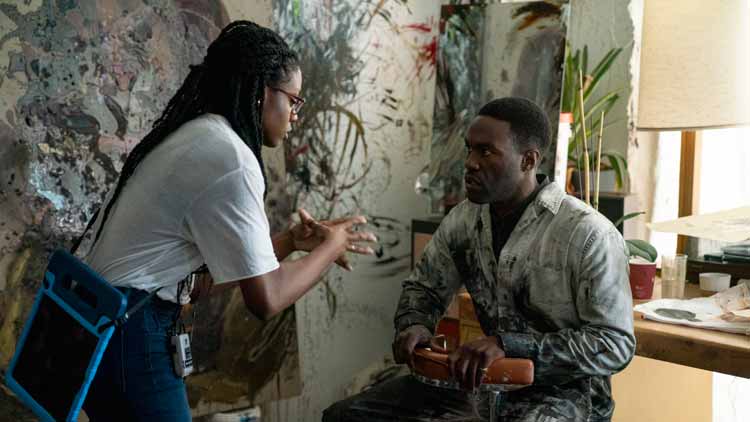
{"x":70,"y":116}
{"x":524,"y":54}
{"x":363,"y":135}
{"x":458,"y":97}
{"x":80,"y":84}
{"x":337,"y":161}
{"x":489,"y":51}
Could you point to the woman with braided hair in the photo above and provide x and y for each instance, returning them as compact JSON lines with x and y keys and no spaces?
{"x":191,"y":194}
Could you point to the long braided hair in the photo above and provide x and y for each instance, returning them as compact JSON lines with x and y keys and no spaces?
{"x":231,"y":81}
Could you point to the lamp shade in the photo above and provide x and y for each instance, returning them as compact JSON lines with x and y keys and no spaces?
{"x":695,"y":65}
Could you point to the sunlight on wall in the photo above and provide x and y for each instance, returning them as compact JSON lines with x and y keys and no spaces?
{"x":666,"y":190}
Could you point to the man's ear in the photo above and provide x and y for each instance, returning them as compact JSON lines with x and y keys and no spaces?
{"x":530,"y":160}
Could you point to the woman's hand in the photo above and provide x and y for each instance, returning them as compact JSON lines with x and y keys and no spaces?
{"x":309,"y":234}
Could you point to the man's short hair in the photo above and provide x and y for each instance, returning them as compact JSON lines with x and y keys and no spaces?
{"x":528,"y":122}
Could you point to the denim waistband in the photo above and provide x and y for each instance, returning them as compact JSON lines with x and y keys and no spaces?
{"x":135,"y":295}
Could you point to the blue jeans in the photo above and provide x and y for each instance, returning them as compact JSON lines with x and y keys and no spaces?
{"x":136,"y":380}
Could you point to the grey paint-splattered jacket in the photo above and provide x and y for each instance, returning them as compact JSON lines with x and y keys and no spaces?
{"x":558,"y":294}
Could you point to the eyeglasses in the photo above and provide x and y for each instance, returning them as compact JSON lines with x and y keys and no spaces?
{"x":296,"y":100}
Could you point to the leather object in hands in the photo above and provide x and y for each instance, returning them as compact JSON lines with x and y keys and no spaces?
{"x":513,"y":371}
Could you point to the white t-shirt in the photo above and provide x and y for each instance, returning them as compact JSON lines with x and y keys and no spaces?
{"x":197,"y":197}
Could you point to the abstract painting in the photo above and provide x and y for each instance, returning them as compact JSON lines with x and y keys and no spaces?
{"x":458,"y":97}
{"x":489,"y":51}
{"x":336,"y":161}
{"x":81,"y":82}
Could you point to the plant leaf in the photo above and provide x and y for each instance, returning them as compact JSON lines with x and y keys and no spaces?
{"x":642,"y":248}
{"x":607,"y":102}
{"x":601,"y":69}
{"x":616,"y":164}
{"x":570,"y":102}
{"x":585,"y":61}
{"x":568,"y":89}
{"x":578,"y":136}
{"x":628,"y":217}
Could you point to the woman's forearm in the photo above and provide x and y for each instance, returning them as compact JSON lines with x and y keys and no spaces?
{"x":283,"y":244}
{"x":271,"y":293}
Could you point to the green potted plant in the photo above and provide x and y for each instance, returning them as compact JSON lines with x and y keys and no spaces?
{"x":637,"y":247}
{"x":580,"y":82}
{"x":642,"y":263}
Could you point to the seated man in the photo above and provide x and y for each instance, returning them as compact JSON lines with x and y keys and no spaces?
{"x":548,"y":276}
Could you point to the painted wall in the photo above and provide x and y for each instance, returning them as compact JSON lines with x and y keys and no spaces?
{"x":458,"y":97}
{"x":395,"y":53}
{"x":80,"y":84}
{"x":389,"y":88}
{"x":395,"y":46}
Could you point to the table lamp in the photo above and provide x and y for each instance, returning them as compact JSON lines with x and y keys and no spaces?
{"x":694,"y":74}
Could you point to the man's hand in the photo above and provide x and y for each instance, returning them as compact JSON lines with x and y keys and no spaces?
{"x":469,"y":362}
{"x":308,"y":235}
{"x":404,"y":344}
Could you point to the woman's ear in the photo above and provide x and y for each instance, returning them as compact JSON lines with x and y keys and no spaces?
{"x":267,"y":92}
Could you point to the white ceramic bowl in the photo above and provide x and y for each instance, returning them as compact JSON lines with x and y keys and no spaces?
{"x":714,"y":282}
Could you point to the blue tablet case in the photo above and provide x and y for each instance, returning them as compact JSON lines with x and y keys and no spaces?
{"x":64,"y":338}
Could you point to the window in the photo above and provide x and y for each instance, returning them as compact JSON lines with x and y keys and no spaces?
{"x":724,"y":168}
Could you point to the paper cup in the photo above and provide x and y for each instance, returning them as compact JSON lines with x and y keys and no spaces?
{"x":714,"y":282}
{"x":642,"y":275}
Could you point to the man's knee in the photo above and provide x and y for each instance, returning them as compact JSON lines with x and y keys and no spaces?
{"x":337,"y":412}
{"x":385,"y":401}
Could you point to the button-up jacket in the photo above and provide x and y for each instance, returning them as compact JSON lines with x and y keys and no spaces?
{"x":557,"y":294}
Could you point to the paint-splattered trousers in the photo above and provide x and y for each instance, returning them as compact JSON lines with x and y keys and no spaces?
{"x":408,"y":400}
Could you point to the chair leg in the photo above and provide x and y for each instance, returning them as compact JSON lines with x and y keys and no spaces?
{"x":495,"y":399}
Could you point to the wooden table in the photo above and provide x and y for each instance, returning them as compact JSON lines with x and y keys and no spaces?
{"x":695,"y":347}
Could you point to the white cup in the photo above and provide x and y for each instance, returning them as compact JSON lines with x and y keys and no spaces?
{"x":714,"y":282}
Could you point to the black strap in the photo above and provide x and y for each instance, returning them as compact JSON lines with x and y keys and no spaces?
{"x":78,"y":241}
{"x":126,"y":316}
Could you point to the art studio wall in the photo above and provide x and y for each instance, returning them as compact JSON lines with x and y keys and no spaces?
{"x":81,"y":82}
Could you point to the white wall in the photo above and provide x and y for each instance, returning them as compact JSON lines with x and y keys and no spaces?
{"x":730,"y":398}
